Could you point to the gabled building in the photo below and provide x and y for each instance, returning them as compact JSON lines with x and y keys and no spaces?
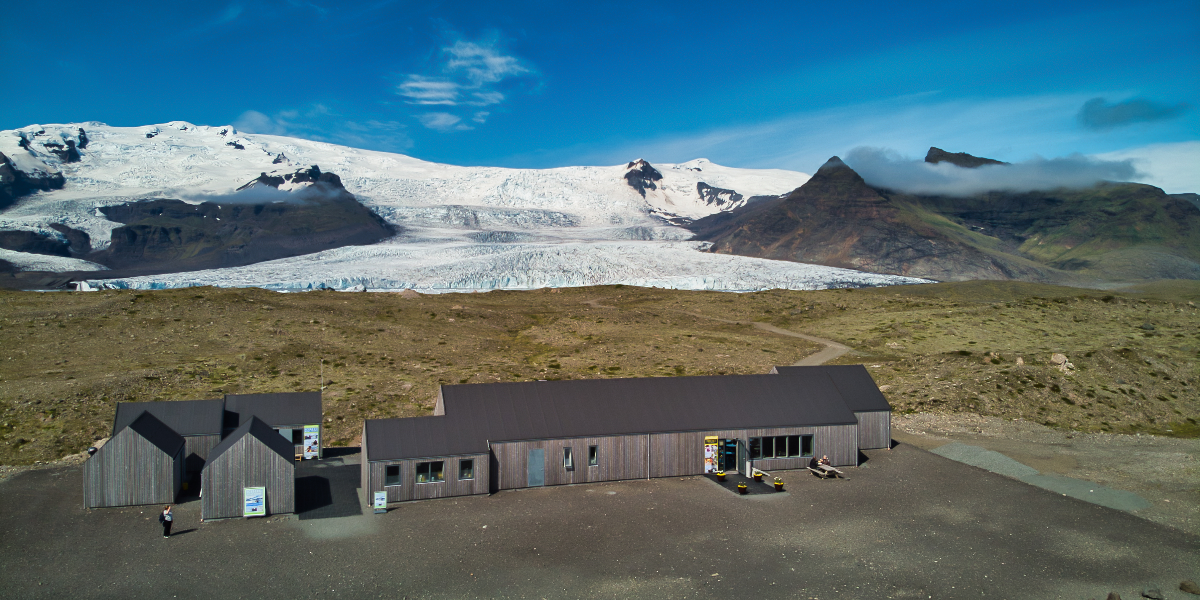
{"x":198,"y":421}
{"x":494,"y":436}
{"x":253,"y":455}
{"x":143,"y":463}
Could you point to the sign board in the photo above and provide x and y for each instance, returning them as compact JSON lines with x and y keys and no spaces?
{"x":380,"y":502}
{"x":312,"y":441}
{"x":710,"y":454}
{"x":254,"y":502}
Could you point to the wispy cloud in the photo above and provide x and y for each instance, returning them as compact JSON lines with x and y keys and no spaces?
{"x":472,"y":75}
{"x":440,"y":121}
{"x":320,"y":10}
{"x":230,"y":13}
{"x":320,"y":123}
{"x":1098,"y":114}
{"x":885,"y":168}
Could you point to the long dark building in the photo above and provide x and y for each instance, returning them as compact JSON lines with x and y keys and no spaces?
{"x":863,"y":398}
{"x":488,"y":437}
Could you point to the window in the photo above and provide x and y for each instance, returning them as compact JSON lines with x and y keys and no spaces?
{"x":431,"y":472}
{"x":297,"y":435}
{"x":391,"y":475}
{"x":593,"y":456}
{"x":781,"y":446}
{"x":466,"y":468}
{"x":568,"y":460}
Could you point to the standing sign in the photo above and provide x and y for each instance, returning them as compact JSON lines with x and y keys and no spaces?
{"x":254,"y":502}
{"x":710,"y":454}
{"x":312,"y":441}
{"x":381,"y":502}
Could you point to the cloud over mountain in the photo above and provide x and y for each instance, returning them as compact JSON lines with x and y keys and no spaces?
{"x":887,"y":169}
{"x":474,"y":74}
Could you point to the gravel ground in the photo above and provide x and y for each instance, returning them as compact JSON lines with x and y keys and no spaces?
{"x":906,"y":524}
{"x":1164,"y":471}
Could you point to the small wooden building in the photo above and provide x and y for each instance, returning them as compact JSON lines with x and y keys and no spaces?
{"x":143,"y":463}
{"x":488,"y":437}
{"x":296,"y":416}
{"x":862,"y":396}
{"x":253,"y":455}
{"x":198,"y":421}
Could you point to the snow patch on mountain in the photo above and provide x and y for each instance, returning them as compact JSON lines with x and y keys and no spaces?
{"x":25,"y":261}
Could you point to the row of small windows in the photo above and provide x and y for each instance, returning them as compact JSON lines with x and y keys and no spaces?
{"x":569,"y":457}
{"x":431,"y":472}
{"x":781,"y":446}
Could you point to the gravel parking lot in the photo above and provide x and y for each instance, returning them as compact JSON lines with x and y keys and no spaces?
{"x":907,"y":524}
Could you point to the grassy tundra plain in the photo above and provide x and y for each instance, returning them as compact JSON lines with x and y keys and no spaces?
{"x":974,"y":347}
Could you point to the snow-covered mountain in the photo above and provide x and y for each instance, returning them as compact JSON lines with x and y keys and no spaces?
{"x":460,"y":227}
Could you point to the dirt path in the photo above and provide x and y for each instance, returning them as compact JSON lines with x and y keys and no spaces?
{"x":831,"y":350}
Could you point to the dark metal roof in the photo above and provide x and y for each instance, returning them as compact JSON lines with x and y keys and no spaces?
{"x":277,"y":410}
{"x":156,"y":432}
{"x":857,"y":386}
{"x":476,"y":413}
{"x":259,"y":430}
{"x":185,"y":417}
{"x":416,"y":437}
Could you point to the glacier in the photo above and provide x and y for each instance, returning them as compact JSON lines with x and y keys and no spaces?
{"x":461,"y":228}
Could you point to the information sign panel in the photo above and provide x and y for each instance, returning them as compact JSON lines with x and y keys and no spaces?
{"x":312,"y":441}
{"x":254,"y":502}
{"x":381,"y":502}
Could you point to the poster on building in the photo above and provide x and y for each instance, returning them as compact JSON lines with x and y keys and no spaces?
{"x":710,"y":454}
{"x":380,"y":502}
{"x":254,"y":502}
{"x":312,"y":441}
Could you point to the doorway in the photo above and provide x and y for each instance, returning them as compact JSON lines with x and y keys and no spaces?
{"x":731,"y":454}
{"x":537,"y":468}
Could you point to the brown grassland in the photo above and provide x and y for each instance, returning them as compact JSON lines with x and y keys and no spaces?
{"x":68,"y":358}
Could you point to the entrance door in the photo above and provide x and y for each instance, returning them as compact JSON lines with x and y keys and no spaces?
{"x":727,"y":456}
{"x":743,"y":459}
{"x":537,"y":467}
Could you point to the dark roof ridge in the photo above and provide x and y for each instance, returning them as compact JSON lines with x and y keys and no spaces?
{"x":156,"y":432}
{"x":258,"y":429}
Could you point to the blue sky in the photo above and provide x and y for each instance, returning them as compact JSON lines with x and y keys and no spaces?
{"x":544,"y":84}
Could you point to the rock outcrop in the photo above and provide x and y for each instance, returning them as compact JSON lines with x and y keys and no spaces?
{"x":962,"y":159}
{"x":15,"y":183}
{"x":641,"y":176}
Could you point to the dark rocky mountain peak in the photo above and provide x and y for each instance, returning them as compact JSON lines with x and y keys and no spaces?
{"x":312,"y":175}
{"x":83,"y":139}
{"x":715,"y":196}
{"x":962,"y":159}
{"x":279,"y":159}
{"x":641,"y":176}
{"x":15,"y":183}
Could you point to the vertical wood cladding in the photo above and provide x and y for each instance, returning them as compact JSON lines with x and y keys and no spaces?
{"x":874,"y":429}
{"x":409,"y":489}
{"x":248,"y":463}
{"x":659,"y":454}
{"x":197,"y":448}
{"x":128,"y":471}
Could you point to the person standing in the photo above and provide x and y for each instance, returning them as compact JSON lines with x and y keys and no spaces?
{"x":166,"y":518}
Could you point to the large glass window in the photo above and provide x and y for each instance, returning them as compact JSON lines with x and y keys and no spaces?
{"x":466,"y":468}
{"x":568,"y":460}
{"x":593,"y":456}
{"x":391,"y":475}
{"x":431,"y":472}
{"x":781,"y":446}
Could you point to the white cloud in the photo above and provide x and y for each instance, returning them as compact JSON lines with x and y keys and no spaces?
{"x":882,"y":168}
{"x":481,"y":64}
{"x":1172,"y":167}
{"x":253,"y":121}
{"x":440,"y":121}
{"x":471,"y":74}
{"x":422,"y":90}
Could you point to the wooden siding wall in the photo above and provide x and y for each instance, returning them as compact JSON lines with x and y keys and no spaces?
{"x":364,"y":469}
{"x":439,"y":407}
{"x":248,"y":463}
{"x":409,"y":489}
{"x":128,"y":471}
{"x":670,"y":454}
{"x":199,"y":446}
{"x":619,"y":457}
{"x":874,"y":429}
